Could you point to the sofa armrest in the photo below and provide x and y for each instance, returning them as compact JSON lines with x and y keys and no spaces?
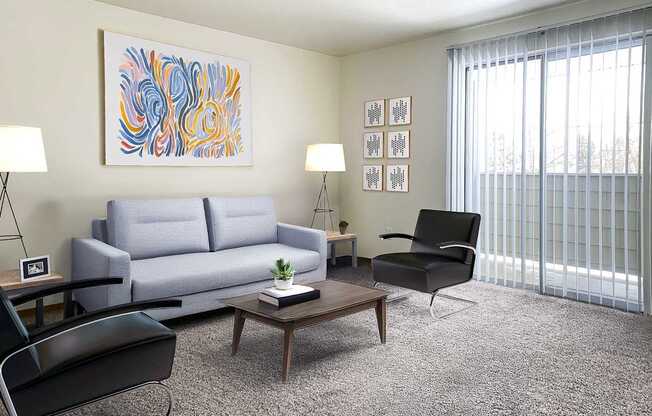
{"x":303,"y":237}
{"x":94,"y":259}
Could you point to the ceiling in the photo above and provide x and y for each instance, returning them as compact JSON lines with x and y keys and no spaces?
{"x":336,"y":27}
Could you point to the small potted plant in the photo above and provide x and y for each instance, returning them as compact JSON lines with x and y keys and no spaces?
{"x":283,"y":274}
{"x":343,"y":225}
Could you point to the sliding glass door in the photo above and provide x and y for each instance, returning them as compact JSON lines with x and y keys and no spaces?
{"x":546,"y":133}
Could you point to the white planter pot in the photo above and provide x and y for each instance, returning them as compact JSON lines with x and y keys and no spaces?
{"x":283,"y":284}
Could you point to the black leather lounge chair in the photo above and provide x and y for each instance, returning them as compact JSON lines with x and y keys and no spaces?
{"x":442,"y":254}
{"x":82,"y":359}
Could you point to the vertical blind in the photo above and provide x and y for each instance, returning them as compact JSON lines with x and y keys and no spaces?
{"x":549,"y":140}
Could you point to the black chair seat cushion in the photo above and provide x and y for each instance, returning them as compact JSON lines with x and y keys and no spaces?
{"x":424,"y":272}
{"x":106,"y":356}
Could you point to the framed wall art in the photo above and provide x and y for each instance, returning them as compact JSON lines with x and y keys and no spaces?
{"x":34,"y":267}
{"x":398,"y":144}
{"x":400,"y":111}
{"x":398,"y":179}
{"x":374,"y":113}
{"x":372,"y":177}
{"x":373,"y":145}
{"x":172,"y":106}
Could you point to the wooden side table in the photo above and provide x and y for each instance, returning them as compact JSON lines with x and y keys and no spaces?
{"x":11,"y":284}
{"x":333,"y":237}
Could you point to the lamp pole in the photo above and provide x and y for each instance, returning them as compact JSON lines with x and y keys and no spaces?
{"x":4,"y":196}
{"x":323,"y":205}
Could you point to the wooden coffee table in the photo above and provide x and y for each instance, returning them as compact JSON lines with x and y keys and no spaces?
{"x":337,"y":299}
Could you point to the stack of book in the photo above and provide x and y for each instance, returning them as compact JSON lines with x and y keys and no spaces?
{"x":296,"y":294}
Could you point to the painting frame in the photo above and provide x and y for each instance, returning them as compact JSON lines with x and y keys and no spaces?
{"x":34,"y":268}
{"x":149,"y":122}
{"x":368,"y":145}
{"x":379,"y":113}
{"x":370,"y":169}
{"x":405,"y":174}
{"x":394,"y":146}
{"x":406,"y":113}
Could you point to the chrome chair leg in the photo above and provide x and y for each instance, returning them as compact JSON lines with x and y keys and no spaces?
{"x":170,"y":398}
{"x":470,"y":303}
{"x":398,"y":294}
{"x":165,"y":387}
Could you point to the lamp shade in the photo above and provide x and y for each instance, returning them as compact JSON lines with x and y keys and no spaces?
{"x":21,"y":149}
{"x":325,"y":157}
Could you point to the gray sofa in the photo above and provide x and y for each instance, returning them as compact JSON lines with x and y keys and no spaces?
{"x":198,"y":250}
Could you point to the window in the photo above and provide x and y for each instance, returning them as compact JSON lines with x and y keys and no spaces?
{"x":572,"y":98}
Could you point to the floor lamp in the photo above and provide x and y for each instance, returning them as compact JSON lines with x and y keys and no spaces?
{"x":324,"y":157}
{"x":21,"y":150}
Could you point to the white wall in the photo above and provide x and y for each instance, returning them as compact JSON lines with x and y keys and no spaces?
{"x":51,"y":77}
{"x":418,"y":69}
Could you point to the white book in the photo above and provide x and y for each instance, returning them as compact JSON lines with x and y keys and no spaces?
{"x":268,"y":299}
{"x":294,"y":290}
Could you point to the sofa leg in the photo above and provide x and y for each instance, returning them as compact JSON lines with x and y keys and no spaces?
{"x":470,"y":303}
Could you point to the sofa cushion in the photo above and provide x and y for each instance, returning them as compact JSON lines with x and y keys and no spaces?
{"x":199,"y":272}
{"x":152,"y":228}
{"x":237,"y":222}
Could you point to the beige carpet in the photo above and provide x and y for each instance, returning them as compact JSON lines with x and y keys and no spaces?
{"x":515,"y":353}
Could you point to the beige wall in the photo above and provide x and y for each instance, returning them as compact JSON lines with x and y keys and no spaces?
{"x":418,"y":69}
{"x":51,"y":77}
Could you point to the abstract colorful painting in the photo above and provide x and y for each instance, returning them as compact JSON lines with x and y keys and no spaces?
{"x":167,"y":105}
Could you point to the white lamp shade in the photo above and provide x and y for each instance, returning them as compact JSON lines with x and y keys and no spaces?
{"x":21,"y":149}
{"x":325,"y":157}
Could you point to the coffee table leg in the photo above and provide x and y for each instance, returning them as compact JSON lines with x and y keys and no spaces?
{"x":287,"y":351}
{"x":238,"y":324}
{"x":381,"y":317}
{"x":354,"y":252}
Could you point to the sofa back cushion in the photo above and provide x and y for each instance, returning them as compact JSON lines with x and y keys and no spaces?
{"x":239,"y":222}
{"x":98,"y":230}
{"x":154,"y":228}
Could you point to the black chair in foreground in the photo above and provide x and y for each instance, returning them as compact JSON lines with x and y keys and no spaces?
{"x":83,"y":359}
{"x":442,"y":255}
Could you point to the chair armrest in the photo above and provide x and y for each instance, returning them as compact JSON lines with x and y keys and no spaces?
{"x":100,"y":315}
{"x":396,"y":235}
{"x":62,"y":287}
{"x":94,"y":259}
{"x":303,"y":237}
{"x":456,"y":244}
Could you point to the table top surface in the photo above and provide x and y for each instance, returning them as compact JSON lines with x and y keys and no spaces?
{"x":10,"y":280}
{"x":337,"y":236}
{"x":334,"y":296}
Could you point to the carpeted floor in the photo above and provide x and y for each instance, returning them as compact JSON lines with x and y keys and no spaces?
{"x":515,"y":353}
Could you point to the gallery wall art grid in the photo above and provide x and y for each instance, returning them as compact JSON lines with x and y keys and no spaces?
{"x":167,"y":105}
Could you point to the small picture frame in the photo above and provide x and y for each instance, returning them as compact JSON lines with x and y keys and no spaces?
{"x":373,"y":145}
{"x":398,"y":178}
{"x":34,"y":268}
{"x":398,"y":144}
{"x":372,"y":177}
{"x":374,"y":113}
{"x":400,"y":111}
